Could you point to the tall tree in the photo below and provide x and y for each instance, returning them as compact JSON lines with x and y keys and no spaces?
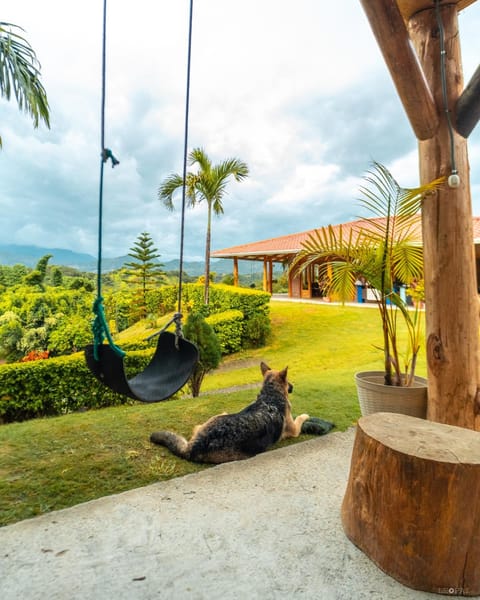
{"x":207,"y":184}
{"x":145,"y":269}
{"x":20,"y":74}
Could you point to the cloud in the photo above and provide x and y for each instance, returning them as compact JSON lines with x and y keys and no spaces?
{"x":307,"y":104}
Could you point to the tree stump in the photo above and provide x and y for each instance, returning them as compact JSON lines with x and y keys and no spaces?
{"x":412,"y":502}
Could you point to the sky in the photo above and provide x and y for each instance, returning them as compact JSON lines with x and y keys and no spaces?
{"x":298,"y":90}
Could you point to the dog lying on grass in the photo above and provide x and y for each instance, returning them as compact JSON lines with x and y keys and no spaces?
{"x":258,"y":426}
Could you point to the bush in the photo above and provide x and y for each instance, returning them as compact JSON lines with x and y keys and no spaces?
{"x":257,"y":331}
{"x":57,"y":386}
{"x":238,"y":316}
{"x":228,"y":327}
{"x":198,"y":331}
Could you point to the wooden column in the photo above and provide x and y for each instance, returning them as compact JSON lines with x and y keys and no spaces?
{"x":265,"y":277}
{"x":235,"y":271}
{"x":270,"y":276}
{"x":450,"y":275}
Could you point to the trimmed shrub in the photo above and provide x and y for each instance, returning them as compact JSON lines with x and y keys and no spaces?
{"x":58,"y":386}
{"x":228,"y":327}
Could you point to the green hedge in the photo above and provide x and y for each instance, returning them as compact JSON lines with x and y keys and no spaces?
{"x":229,"y":328}
{"x":57,"y":386}
{"x":222,"y":298}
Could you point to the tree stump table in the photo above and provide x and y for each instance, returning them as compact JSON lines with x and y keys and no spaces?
{"x":412,"y":502}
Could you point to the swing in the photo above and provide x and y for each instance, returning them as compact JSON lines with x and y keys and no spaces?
{"x":175,"y":357}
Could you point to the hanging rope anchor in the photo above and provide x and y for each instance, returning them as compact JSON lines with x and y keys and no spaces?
{"x":175,"y":357}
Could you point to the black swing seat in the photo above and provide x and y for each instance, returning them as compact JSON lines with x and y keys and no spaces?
{"x":168,"y":370}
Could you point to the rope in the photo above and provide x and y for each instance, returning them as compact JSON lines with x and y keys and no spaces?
{"x":177,"y":318}
{"x":185,"y":151}
{"x":100,"y":325}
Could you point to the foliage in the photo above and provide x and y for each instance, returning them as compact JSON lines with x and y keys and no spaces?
{"x":384,"y":252}
{"x":251,"y":303}
{"x":18,"y":402}
{"x":11,"y":333}
{"x":198,"y":331}
{"x":37,"y":276}
{"x":207,"y":184}
{"x":57,"y":277}
{"x":229,"y":328}
{"x":29,"y":317}
{"x":145,"y":271}
{"x":20,"y":74}
{"x":57,"y":386}
{"x":69,"y":452}
{"x":257,"y":331}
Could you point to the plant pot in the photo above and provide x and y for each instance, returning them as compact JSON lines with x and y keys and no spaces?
{"x":374,"y":396}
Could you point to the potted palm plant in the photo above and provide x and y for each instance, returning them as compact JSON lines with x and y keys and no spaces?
{"x":383,"y":250}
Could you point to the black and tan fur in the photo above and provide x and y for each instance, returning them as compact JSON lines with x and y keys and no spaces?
{"x":226,"y":437}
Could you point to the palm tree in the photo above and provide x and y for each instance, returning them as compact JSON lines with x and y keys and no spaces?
{"x":20,"y":74}
{"x":207,"y":183}
{"x":383,"y":250}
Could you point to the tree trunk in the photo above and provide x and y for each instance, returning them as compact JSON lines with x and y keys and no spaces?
{"x":449,"y":255}
{"x":206,"y":292}
{"x":412,"y":502}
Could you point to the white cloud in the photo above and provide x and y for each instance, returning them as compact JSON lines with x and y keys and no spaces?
{"x":306,"y":103}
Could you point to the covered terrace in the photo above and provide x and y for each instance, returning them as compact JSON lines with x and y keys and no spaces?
{"x":283,"y":249}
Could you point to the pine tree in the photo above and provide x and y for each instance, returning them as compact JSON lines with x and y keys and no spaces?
{"x":145,"y":270}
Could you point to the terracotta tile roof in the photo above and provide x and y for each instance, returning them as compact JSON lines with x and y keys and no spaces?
{"x":282,"y":248}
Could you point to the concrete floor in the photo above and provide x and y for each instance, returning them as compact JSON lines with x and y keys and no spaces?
{"x":265,"y":528}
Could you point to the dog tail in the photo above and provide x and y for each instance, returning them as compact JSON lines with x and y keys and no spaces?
{"x":177,"y":444}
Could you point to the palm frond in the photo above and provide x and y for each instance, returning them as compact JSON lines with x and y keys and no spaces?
{"x":20,"y":74}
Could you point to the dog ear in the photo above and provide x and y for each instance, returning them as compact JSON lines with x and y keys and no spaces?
{"x":264,"y":367}
{"x":283,"y":374}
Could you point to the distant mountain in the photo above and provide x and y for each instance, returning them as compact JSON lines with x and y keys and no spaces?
{"x":12,"y":254}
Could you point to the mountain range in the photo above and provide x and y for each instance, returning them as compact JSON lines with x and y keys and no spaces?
{"x":12,"y":254}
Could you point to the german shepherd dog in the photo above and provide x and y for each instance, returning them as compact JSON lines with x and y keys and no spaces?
{"x":226,"y":437}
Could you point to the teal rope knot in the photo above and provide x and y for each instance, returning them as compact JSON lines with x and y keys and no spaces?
{"x":101,"y":331}
{"x":108,"y":154}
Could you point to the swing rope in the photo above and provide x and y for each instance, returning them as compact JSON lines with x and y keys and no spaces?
{"x":100,"y":326}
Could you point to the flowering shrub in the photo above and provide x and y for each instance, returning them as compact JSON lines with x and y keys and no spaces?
{"x":36,"y":355}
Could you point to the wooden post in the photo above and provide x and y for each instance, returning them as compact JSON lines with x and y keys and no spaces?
{"x":450,"y":276}
{"x":270,"y":276}
{"x":449,"y":255}
{"x":265,"y":278}
{"x":235,"y":271}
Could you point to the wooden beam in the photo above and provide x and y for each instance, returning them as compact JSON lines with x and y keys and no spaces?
{"x":392,"y":36}
{"x":468,"y":106}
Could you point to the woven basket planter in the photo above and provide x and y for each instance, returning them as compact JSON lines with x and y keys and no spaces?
{"x":374,"y":396}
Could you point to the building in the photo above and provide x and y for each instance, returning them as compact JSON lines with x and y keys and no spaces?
{"x":285,"y":248}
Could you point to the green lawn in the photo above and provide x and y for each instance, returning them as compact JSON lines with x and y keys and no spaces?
{"x":47,"y":464}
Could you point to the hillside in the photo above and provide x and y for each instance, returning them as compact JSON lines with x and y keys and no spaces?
{"x":12,"y":254}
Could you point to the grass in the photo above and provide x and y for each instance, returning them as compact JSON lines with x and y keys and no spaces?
{"x":49,"y":464}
